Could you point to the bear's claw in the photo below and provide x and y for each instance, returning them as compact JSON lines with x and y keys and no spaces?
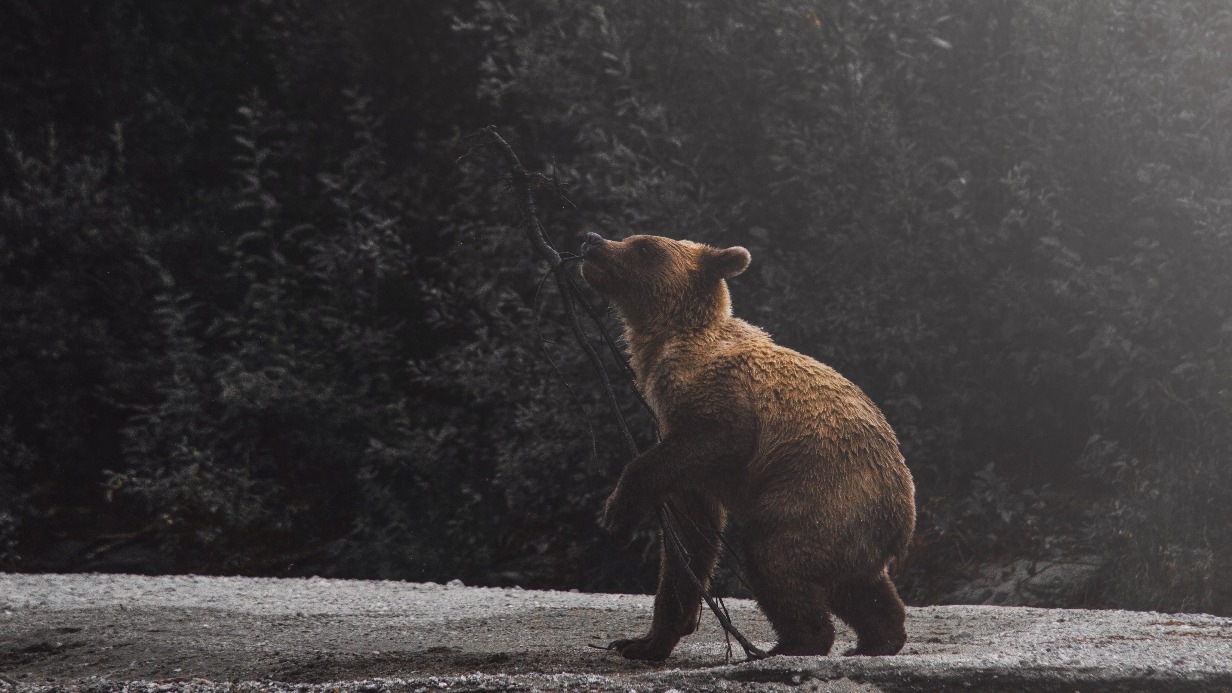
{"x":619,"y":519}
{"x":646,"y":649}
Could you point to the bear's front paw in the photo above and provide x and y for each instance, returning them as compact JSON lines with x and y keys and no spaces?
{"x":620,"y":518}
{"x":647,"y":649}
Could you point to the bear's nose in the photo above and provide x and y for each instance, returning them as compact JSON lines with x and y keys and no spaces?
{"x":592,"y":239}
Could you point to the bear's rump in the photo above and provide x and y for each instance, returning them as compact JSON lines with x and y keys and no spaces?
{"x":850,"y":521}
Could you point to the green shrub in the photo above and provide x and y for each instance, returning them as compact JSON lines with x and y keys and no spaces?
{"x":257,"y":286}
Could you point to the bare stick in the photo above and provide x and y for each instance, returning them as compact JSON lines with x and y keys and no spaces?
{"x":525,"y":200}
{"x":568,"y":288}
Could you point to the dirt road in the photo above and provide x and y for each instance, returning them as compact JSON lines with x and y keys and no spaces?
{"x":109,"y":632}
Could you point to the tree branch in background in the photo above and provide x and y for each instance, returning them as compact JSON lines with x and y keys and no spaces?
{"x":521,"y":180}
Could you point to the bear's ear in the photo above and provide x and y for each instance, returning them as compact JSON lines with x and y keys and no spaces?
{"x":729,"y":262}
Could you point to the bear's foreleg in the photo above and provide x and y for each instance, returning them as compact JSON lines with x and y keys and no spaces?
{"x":697,"y":522}
{"x":700,"y":452}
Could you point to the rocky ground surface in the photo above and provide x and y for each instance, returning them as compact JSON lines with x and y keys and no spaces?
{"x":154,"y":634}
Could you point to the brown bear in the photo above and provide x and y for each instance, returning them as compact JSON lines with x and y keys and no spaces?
{"x":793,"y":450}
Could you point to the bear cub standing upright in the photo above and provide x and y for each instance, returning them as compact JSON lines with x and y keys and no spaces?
{"x":785,"y":444}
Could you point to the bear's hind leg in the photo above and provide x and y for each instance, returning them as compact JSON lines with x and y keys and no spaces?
{"x":797,"y":607}
{"x":697,"y":522}
{"x":873,"y":610}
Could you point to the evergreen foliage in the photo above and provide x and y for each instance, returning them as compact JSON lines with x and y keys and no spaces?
{"x":256,"y":316}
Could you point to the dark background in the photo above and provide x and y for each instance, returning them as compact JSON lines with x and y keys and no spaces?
{"x":255,"y":319}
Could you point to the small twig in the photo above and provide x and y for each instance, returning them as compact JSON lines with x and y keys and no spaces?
{"x":590,"y":429}
{"x":726,"y":545}
{"x":558,"y":188}
{"x":115,"y":541}
{"x":727,"y":636}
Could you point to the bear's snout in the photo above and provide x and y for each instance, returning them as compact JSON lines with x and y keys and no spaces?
{"x":592,"y":239}
{"x":596,"y":262}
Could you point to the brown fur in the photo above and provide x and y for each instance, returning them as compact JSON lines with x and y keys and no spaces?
{"x":784,"y":443}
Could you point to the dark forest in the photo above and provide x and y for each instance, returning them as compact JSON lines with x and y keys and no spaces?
{"x":257,"y":318}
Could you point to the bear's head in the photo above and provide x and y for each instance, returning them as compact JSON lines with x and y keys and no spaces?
{"x":660,"y":283}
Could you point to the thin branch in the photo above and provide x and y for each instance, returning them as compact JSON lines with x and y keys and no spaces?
{"x":521,"y":185}
{"x":525,"y":200}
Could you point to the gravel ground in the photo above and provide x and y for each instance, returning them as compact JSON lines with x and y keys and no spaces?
{"x":122,"y":632}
